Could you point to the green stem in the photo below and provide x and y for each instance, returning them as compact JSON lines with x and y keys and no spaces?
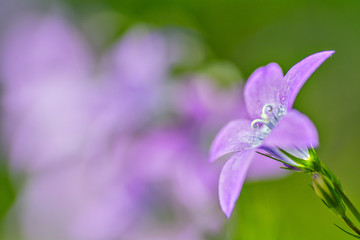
{"x":351,"y":234}
{"x":348,"y":203}
{"x":350,"y":224}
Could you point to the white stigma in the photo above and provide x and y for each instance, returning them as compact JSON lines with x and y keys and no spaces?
{"x":270,"y":116}
{"x":265,"y":119}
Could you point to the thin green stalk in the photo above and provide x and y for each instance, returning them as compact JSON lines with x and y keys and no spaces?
{"x":351,"y":234}
{"x":350,"y":224}
{"x":348,"y":203}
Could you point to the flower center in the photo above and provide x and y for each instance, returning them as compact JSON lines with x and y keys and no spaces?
{"x":269,"y":117}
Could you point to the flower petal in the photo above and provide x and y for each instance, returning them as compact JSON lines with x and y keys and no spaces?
{"x":232,"y":178}
{"x":262,"y":88}
{"x":236,"y":136}
{"x":298,"y":74}
{"x":262,"y":167}
{"x":294,"y":129}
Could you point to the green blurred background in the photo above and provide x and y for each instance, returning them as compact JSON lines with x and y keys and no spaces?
{"x":251,"y":33}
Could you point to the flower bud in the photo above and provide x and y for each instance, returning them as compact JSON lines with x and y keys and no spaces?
{"x":326,"y":191}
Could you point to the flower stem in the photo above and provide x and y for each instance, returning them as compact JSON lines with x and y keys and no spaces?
{"x":350,"y":224}
{"x":348,"y":203}
{"x":326,"y":186}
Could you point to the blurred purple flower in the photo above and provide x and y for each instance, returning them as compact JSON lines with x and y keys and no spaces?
{"x":136,"y":69}
{"x":166,"y":196}
{"x":34,"y":49}
{"x":99,"y":162}
{"x":46,"y":92}
{"x":269,"y":97}
{"x":52,"y":92}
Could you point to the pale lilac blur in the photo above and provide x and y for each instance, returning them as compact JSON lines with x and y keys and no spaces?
{"x":113,"y":150}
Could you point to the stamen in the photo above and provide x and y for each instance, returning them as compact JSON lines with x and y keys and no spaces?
{"x":256,"y":123}
{"x":264,"y":117}
{"x":266,"y":108}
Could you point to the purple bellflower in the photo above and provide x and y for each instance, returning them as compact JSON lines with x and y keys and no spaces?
{"x":272,"y":124}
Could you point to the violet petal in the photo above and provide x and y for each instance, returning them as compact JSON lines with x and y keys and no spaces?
{"x":232,"y":178}
{"x":298,"y":74}
{"x":236,"y":136}
{"x":264,"y":168}
{"x":262,"y":88}
{"x":294,"y":129}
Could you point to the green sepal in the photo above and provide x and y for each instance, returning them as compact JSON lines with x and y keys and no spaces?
{"x":327,"y":172}
{"x":286,"y":168}
{"x":279,"y":160}
{"x":297,"y":160}
{"x":314,"y":161}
